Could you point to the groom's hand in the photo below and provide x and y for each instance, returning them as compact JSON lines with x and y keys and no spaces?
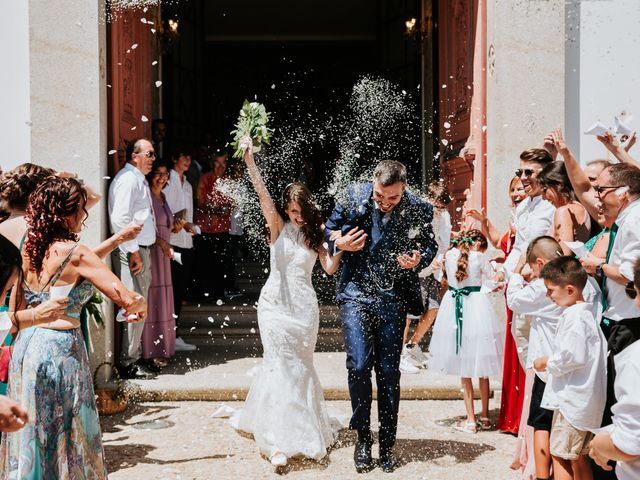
{"x":353,"y":241}
{"x":410,"y":261}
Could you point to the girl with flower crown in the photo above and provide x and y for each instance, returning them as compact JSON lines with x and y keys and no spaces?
{"x":468,"y":336}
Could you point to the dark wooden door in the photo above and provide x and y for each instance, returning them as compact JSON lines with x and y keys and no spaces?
{"x":456,"y":39}
{"x":131,"y":46}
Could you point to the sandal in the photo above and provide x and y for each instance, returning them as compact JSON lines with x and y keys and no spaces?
{"x":484,"y":423}
{"x":465,"y":426}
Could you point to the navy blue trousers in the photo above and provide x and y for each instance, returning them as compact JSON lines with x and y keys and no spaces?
{"x":373,"y":340}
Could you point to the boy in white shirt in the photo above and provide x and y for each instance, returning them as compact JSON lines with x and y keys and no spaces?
{"x":529,"y":299}
{"x":576,"y":384}
{"x":621,"y":440}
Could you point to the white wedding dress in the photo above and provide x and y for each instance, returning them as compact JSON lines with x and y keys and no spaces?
{"x":285,"y":409}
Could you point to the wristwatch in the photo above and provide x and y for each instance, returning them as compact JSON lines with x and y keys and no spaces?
{"x":599,"y":271}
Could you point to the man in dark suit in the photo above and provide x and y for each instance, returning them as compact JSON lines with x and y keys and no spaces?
{"x":387,"y":238}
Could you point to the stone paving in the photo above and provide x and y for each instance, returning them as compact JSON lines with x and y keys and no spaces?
{"x":179,"y":440}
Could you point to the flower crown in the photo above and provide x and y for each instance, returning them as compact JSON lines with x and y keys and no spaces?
{"x":457,"y":241}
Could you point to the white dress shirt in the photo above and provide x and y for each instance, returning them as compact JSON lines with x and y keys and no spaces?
{"x":534,"y":217}
{"x":441,"y":225}
{"x":625,"y":252}
{"x":625,"y":430}
{"x":129,"y":192}
{"x":179,"y":195}
{"x":577,"y":378}
{"x":531,"y":300}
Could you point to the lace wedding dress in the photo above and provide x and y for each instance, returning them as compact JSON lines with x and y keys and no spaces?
{"x":285,"y":409}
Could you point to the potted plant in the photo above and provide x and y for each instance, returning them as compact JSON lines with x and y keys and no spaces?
{"x":110,"y":400}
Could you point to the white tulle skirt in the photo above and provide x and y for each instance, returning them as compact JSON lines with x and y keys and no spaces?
{"x":481,"y":351}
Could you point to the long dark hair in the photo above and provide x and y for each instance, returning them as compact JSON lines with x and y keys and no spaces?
{"x":53,"y":201}
{"x":464,"y":243}
{"x":10,"y":262}
{"x":299,"y":193}
{"x":554,"y":175}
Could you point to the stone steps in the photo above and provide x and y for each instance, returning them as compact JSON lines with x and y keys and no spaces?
{"x":220,"y":374}
{"x":235,"y":323}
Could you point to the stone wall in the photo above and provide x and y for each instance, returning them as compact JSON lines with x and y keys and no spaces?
{"x":67,"y":47}
{"x":525,"y":87}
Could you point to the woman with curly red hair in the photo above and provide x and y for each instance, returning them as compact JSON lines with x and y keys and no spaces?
{"x":49,"y":373}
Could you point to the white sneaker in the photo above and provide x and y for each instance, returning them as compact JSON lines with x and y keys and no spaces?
{"x":417,"y":356}
{"x":182,"y":346}
{"x":406,"y":366}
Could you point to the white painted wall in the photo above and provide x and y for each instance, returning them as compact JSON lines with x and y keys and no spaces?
{"x":603,"y":69}
{"x":15,"y":116}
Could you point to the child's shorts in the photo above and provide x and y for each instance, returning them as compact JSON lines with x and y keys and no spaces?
{"x":430,"y":289}
{"x":567,"y":441}
{"x":539,"y":418}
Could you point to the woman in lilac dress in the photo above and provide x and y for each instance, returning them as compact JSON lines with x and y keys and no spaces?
{"x":159,"y":335}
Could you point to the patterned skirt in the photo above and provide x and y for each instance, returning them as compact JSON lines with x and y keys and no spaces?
{"x":50,"y":376}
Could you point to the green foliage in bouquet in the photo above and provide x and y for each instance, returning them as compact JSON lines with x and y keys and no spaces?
{"x":252,"y":122}
{"x":93,"y":309}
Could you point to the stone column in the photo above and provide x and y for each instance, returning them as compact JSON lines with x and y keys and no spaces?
{"x":525,"y":87}
{"x":67,"y":47}
{"x":15,"y":131}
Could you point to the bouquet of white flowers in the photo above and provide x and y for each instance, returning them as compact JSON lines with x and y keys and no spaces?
{"x":252,"y":123}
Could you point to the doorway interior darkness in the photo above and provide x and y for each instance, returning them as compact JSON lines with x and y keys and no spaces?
{"x":287,"y":54}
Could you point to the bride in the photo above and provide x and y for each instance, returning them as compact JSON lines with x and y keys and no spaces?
{"x":285,"y":409}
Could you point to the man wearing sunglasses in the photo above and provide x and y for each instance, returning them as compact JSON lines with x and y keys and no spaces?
{"x":129,"y":193}
{"x":534,"y":215}
{"x":618,"y":190}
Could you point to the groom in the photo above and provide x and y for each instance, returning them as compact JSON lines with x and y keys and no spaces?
{"x":386,"y":235}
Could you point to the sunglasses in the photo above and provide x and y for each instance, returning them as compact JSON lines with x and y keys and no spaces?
{"x":600,"y":189}
{"x":630,"y":290}
{"x":149,"y":154}
{"x":528,"y":172}
{"x":161,"y":174}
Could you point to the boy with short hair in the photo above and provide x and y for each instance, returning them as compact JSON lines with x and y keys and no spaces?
{"x":576,"y":383}
{"x":529,"y":299}
{"x":621,"y":440}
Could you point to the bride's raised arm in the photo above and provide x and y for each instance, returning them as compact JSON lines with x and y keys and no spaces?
{"x":271,"y":215}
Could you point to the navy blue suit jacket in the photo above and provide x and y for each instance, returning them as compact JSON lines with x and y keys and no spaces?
{"x":408,"y":229}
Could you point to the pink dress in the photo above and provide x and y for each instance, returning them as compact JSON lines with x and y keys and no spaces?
{"x":159,"y":334}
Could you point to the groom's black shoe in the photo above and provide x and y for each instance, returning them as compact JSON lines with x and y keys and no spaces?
{"x":362,"y":453}
{"x":388,"y":461}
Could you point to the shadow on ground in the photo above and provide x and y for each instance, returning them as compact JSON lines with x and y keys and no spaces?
{"x":407,"y":450}
{"x":131,"y":454}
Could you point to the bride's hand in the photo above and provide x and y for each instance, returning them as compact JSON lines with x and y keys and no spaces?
{"x":247,"y":145}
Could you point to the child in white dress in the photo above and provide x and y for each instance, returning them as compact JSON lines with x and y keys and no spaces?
{"x":468,"y":336}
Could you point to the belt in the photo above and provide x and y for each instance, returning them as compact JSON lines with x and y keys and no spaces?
{"x":145,"y":246}
{"x":457,"y":294}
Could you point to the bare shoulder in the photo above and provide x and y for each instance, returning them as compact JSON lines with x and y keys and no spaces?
{"x":79,"y":252}
{"x":564,"y":211}
{"x":14,"y":229}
